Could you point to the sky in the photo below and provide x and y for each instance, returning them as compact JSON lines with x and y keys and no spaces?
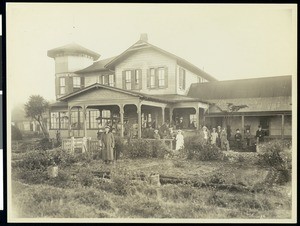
{"x":227,"y":41}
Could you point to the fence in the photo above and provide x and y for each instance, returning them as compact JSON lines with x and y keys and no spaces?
{"x":80,"y":144}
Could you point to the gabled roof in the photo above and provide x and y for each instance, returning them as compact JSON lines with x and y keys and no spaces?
{"x":159,"y":98}
{"x":243,"y":88}
{"x":143,"y":44}
{"x":72,"y":48}
{"x":96,"y":66}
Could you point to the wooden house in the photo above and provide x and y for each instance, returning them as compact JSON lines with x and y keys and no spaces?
{"x":144,"y":85}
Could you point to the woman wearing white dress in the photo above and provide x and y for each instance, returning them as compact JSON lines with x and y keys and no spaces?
{"x":179,"y":141}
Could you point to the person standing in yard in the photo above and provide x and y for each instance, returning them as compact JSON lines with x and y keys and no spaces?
{"x":156,"y":135}
{"x":224,"y":141}
{"x":259,"y":136}
{"x":238,"y":139}
{"x":108,"y":145}
{"x":214,"y":135}
{"x":204,"y":135}
{"x":179,"y":141}
{"x":218,"y":140}
{"x":247,"y":137}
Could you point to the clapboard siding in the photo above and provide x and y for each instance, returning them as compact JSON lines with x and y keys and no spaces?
{"x":145,"y":59}
{"x":91,"y":79}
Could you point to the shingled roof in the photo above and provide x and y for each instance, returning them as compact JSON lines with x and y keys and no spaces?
{"x":243,"y":88}
{"x":72,"y":48}
{"x":97,"y":66}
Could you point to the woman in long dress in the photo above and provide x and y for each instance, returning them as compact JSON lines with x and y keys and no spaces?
{"x":179,"y":141}
{"x":108,"y":144}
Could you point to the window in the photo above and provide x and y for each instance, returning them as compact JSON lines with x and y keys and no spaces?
{"x":128,"y":80}
{"x":105,"y":118}
{"x":54,"y":120}
{"x":76,"y":82}
{"x":62,"y":85}
{"x":137,"y":77}
{"x":111,"y":80}
{"x":64,"y":120}
{"x":152,"y":78}
{"x":161,"y":77}
{"x":103,"y":80}
{"x":181,"y":78}
{"x":93,"y":123}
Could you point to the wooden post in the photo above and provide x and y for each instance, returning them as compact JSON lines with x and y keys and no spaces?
{"x":171,"y":115}
{"x":282,"y":126}
{"x":84,"y":120}
{"x":243,"y":125}
{"x":197,"y":117}
{"x":122,"y":119}
{"x":139,"y":112}
{"x":163,"y":114}
{"x":70,"y":121}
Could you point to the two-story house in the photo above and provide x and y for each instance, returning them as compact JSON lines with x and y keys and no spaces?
{"x":143,"y":85}
{"x":146,"y":85}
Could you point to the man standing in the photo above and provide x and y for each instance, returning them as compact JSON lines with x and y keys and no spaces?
{"x":108,"y":145}
{"x":259,"y":136}
{"x":238,"y":139}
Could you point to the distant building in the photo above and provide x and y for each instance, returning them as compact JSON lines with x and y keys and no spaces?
{"x":146,"y":85}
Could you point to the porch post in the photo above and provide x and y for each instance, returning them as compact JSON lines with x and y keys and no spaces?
{"x":243,"y":124}
{"x":122,"y":119}
{"x":282,"y":125}
{"x":197,"y":117}
{"x":163,"y":114}
{"x":171,"y":115}
{"x":70,"y":121}
{"x":139,"y":112}
{"x":84,"y":120}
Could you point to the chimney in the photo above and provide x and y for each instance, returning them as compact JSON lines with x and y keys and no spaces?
{"x":144,"y":37}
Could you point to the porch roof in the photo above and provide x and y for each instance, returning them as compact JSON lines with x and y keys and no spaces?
{"x":171,"y":98}
{"x":259,"y":104}
{"x":59,"y":104}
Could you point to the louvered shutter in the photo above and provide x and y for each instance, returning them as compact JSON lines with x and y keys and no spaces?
{"x":133,"y":85}
{"x":69,"y":84}
{"x":140,"y":79}
{"x":57,"y":91}
{"x":82,"y":82}
{"x":115,"y":81}
{"x":106,"y":79}
{"x":123,"y":79}
{"x":148,"y":78}
{"x":180,"y":78}
{"x":156,"y":77}
{"x":166,"y":77}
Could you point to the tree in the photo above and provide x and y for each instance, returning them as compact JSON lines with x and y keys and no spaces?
{"x":36,"y":108}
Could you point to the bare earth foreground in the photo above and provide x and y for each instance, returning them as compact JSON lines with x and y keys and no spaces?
{"x":87,"y":188}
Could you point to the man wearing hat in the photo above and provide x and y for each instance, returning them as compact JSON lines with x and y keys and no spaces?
{"x":108,"y":145}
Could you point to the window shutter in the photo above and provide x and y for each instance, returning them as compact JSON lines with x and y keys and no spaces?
{"x":166,"y":77}
{"x":57,"y":85}
{"x":115,"y":81}
{"x":82,"y":82}
{"x":106,"y":79}
{"x":183,"y":80}
{"x":156,"y":77}
{"x":133,"y":85}
{"x":123,"y":78}
{"x":69,"y":84}
{"x":140,"y":79}
{"x":148,"y":78}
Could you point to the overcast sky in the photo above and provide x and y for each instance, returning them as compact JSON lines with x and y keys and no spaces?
{"x":227,"y":41}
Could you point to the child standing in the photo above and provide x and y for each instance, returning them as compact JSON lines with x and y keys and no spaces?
{"x":214,"y":136}
{"x":248,"y":137}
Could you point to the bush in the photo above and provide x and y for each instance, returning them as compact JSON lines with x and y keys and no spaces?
{"x":196,"y":149}
{"x":140,"y":148}
{"x":16,"y":133}
{"x":276,"y":155}
{"x":44,"y":144}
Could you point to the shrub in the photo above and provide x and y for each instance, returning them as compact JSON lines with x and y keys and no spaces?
{"x":141,"y":148}
{"x":196,"y":149}
{"x":16,"y":133}
{"x":120,"y":145}
{"x":44,"y":144}
{"x":278,"y":158}
{"x":85,"y":177}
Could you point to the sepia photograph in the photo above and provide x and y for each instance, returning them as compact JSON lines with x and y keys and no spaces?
{"x":151,"y":113}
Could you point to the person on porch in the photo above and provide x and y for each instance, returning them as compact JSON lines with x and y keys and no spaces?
{"x":214,"y":136}
{"x":164,"y":129}
{"x":179,"y":141}
{"x":108,"y":145}
{"x":238,"y":139}
{"x":156,"y":134}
